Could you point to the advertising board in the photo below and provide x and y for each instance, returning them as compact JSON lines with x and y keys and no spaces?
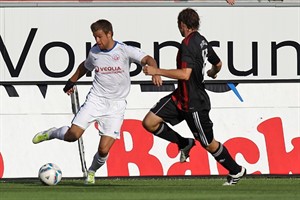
{"x":259,"y":122}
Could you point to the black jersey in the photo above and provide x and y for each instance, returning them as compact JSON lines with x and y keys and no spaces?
{"x":193,"y":53}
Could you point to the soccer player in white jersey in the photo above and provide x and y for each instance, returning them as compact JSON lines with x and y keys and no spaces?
{"x":106,"y":101}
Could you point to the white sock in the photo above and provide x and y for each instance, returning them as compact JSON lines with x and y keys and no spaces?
{"x":59,"y":133}
{"x":97,"y":162}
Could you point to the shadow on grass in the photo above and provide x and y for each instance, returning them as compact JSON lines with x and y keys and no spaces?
{"x":64,"y":183}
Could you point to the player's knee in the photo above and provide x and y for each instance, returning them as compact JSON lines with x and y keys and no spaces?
{"x":74,"y":133}
{"x":209,"y":146}
{"x":147,"y":124}
{"x":151,"y":122}
{"x":151,"y":127}
{"x":103,"y":152}
{"x":213,"y":146}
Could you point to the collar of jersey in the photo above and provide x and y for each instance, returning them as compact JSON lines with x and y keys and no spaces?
{"x":108,"y":50}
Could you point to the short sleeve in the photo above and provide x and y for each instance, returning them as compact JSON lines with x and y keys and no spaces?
{"x":135,"y":54}
{"x":212,"y":56}
{"x":88,"y":63}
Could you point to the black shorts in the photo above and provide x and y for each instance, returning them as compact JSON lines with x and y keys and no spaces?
{"x":198,"y":121}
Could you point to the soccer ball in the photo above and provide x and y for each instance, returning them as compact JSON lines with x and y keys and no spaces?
{"x":50,"y":174}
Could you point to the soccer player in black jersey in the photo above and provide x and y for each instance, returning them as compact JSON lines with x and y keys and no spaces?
{"x":190,"y":101}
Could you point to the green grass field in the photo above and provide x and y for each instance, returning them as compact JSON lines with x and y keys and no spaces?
{"x":153,"y":188}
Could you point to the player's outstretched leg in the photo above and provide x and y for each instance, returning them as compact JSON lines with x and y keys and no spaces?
{"x":185,"y":152}
{"x":42,"y":136}
{"x":234,"y":179}
{"x":90,"y":179}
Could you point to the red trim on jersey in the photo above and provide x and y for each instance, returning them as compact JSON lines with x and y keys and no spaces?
{"x":181,"y":95}
{"x":187,"y":39}
{"x":184,"y":92}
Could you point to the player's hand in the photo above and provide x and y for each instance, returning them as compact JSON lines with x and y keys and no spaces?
{"x":211,"y":73}
{"x":231,"y":2}
{"x":149,"y":70}
{"x":156,"y":79}
{"x":70,"y":91}
{"x":69,"y":87}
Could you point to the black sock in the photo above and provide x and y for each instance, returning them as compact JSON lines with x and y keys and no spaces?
{"x":223,"y":157}
{"x":165,"y":132}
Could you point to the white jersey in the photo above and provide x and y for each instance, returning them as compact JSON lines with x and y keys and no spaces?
{"x":112,"y":78}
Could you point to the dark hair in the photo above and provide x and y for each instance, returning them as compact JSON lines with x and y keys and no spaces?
{"x":190,"y":18}
{"x":102,"y":24}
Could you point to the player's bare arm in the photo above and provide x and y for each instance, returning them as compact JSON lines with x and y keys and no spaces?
{"x":81,"y":70}
{"x":149,"y":61}
{"x":179,"y":74}
{"x":214,"y":70}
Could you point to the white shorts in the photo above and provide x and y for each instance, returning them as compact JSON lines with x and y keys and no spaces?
{"x":108,"y":113}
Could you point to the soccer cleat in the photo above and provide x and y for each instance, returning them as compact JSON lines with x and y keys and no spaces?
{"x":42,"y":136}
{"x":90,"y":179}
{"x":234,"y":179}
{"x":185,"y":152}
